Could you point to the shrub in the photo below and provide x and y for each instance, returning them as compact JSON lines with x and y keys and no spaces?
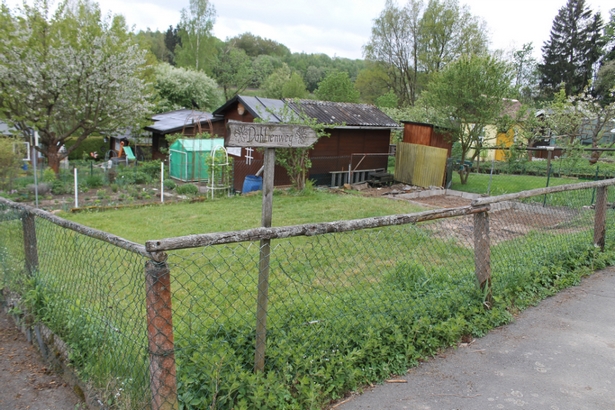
{"x":42,"y":188}
{"x":58,"y":187}
{"x":187,"y":189}
{"x":130,"y":176}
{"x":94,"y":181}
{"x":151,"y":168}
{"x":169,"y":184}
{"x":49,"y":175}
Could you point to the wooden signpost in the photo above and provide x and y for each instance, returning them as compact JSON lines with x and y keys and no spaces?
{"x":268,"y":136}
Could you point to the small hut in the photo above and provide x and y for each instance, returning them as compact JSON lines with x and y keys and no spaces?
{"x":188,"y":158}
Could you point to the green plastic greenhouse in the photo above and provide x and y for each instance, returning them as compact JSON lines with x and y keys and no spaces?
{"x":188,"y":158}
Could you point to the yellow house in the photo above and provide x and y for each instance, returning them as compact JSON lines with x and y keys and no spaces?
{"x":493,"y":138}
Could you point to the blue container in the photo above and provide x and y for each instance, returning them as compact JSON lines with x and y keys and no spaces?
{"x":252,"y":183}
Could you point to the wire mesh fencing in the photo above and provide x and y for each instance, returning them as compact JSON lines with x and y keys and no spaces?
{"x":515,"y":170}
{"x":292,"y":317}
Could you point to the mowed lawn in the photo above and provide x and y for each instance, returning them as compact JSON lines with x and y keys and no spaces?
{"x":236,"y":213}
{"x":506,"y":184}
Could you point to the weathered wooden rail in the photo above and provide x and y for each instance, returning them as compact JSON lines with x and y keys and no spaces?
{"x":157,"y":272}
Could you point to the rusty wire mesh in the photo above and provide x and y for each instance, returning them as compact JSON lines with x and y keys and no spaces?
{"x":344,"y":309}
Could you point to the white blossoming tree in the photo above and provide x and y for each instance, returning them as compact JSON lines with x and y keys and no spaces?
{"x":71,"y":74}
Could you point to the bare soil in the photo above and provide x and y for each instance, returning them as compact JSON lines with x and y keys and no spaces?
{"x":27,"y":382}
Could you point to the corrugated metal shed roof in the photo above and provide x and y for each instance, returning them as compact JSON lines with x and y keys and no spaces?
{"x":350,"y":114}
{"x":176,"y":120}
{"x":268,"y":109}
{"x":326,"y":112}
{"x":192,"y":145}
{"x":264,"y":108}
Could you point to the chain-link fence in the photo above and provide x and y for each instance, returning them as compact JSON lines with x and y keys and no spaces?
{"x":291,"y":317}
{"x":500,"y":171}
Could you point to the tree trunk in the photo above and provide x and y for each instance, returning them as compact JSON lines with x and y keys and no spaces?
{"x":53,"y":158}
{"x":594,"y":157}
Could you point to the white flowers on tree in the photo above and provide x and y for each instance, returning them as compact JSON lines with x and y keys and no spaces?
{"x":69,"y":75}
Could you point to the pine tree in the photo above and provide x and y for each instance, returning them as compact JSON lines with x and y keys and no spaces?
{"x":573,"y":49}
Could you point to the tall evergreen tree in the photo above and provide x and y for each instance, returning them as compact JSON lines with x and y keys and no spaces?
{"x":172,"y":40}
{"x":572,"y":50}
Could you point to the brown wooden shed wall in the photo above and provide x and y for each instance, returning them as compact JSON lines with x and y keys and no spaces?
{"x":427,"y":134}
{"x":329,"y":154}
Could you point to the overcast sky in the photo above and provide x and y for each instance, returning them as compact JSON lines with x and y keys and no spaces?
{"x":342,"y":27}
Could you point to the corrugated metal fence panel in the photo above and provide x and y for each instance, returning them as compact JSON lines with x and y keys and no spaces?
{"x":420,"y":165}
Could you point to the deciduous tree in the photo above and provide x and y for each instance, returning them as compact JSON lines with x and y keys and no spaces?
{"x":337,"y":87}
{"x":294,"y":87}
{"x":274,"y":84}
{"x":197,"y":48}
{"x":233,"y":71}
{"x":183,"y":88}
{"x":395,"y":43}
{"x":417,"y":40}
{"x":256,"y":45}
{"x":467,"y":96}
{"x":526,"y":73}
{"x":70,"y":75}
{"x":372,"y":82}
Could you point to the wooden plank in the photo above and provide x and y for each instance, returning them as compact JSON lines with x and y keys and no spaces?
{"x":256,"y":234}
{"x":420,"y":165}
{"x":267,"y":135}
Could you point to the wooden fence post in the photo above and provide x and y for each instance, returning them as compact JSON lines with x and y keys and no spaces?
{"x":263,"y":266}
{"x":482,"y":255}
{"x":30,"y":245}
{"x":163,"y":382}
{"x":600,"y":217}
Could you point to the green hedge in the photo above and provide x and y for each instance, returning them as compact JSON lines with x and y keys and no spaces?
{"x":88,"y":145}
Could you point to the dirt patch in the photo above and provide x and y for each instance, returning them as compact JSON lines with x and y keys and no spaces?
{"x":27,"y":382}
{"x":505,"y":225}
{"x":400,"y":190}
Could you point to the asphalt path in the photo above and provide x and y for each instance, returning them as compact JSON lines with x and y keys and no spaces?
{"x":558,"y":355}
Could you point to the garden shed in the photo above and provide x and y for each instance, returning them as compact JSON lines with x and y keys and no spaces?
{"x":358,"y":141}
{"x":188,"y":158}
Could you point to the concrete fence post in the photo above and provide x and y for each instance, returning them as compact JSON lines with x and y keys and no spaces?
{"x":30,"y":245}
{"x":600,"y":217}
{"x":163,"y":381}
{"x":482,"y":255}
